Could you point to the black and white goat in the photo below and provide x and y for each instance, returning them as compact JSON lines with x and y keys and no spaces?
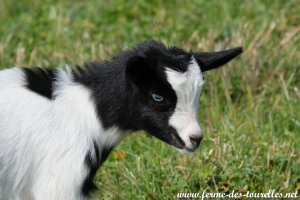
{"x":57,"y":126}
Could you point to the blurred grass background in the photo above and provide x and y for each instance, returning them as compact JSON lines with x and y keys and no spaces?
{"x":250,"y":109}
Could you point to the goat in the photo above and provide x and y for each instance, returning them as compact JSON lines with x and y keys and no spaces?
{"x":57,"y":126}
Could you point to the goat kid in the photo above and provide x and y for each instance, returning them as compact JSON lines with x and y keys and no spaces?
{"x":57,"y":126}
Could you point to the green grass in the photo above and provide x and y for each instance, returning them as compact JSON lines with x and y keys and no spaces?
{"x":250,"y":109}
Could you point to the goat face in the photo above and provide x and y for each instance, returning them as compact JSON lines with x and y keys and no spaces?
{"x":167,"y":84}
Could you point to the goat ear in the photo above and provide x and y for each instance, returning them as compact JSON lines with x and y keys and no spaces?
{"x":212,"y":60}
{"x":137,"y":69}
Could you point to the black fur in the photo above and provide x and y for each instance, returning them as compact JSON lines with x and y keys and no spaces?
{"x":122,"y":92}
{"x":122,"y":88}
{"x":40,"y":80}
{"x":88,"y":184}
{"x":104,"y":154}
{"x":93,"y":163}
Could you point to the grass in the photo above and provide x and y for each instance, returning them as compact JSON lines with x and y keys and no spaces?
{"x":250,"y":109}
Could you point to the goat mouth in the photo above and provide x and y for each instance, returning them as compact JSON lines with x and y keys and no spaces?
{"x":173,"y":139}
{"x":180,"y":145}
{"x":176,"y":141}
{"x":183,"y":147}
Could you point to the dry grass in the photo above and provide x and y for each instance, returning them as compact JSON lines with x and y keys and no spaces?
{"x":249,"y":109}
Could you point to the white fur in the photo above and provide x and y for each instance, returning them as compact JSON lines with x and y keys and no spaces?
{"x":188,"y":86}
{"x":10,"y":78}
{"x":43,"y":143}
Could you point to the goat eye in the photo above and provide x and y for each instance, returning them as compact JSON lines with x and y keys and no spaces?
{"x":157,"y":98}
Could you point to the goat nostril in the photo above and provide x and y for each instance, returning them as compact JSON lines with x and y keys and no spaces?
{"x":195,"y":139}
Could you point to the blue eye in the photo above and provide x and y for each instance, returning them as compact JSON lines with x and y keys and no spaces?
{"x":157,"y":98}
